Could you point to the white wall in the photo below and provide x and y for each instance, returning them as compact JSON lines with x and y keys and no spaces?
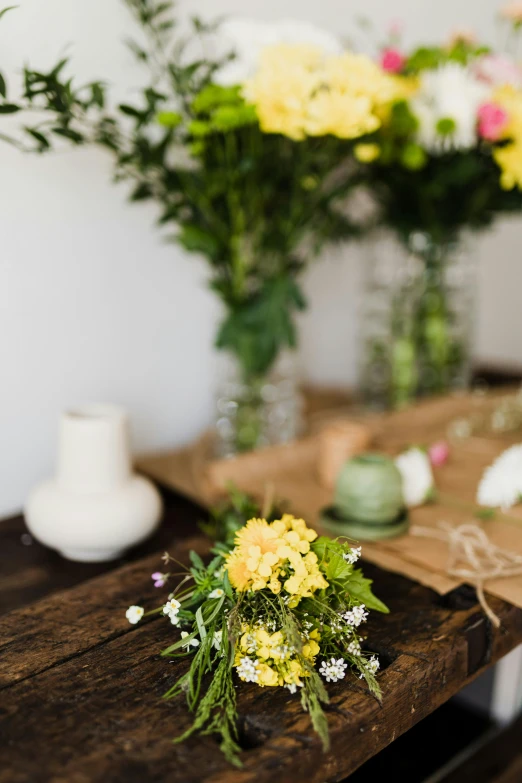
{"x":93,"y":306}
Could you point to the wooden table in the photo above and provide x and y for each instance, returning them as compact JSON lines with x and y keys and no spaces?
{"x":81,"y":688}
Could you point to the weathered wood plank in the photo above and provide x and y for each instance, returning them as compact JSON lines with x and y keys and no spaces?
{"x":66,"y":624}
{"x":29,"y":571}
{"x":98,"y":716}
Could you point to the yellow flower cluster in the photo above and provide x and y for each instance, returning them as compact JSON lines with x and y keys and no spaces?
{"x":276,"y":556}
{"x":509,"y":157}
{"x":270,"y":659}
{"x":299,"y":92}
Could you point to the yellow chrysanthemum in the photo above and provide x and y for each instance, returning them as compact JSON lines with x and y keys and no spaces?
{"x":258,"y":533}
{"x":238,"y":573}
{"x":276,"y":556}
{"x":282,"y":87}
{"x":297,"y":91}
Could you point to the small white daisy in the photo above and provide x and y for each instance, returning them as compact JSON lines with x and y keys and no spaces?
{"x":134,"y":614}
{"x":356,"y":615}
{"x":354,"y":648}
{"x":248,"y":669}
{"x":333,"y":670}
{"x":171,"y":607}
{"x":217,"y":593}
{"x":353,"y":555}
{"x":191,"y":642}
{"x":372,"y":665}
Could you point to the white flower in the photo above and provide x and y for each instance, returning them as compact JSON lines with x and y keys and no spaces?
{"x":134,"y":614}
{"x":356,"y":615}
{"x":501,"y":484}
{"x":217,"y":640}
{"x":372,"y":665}
{"x":248,"y":37}
{"x":291,"y":686}
{"x":333,"y":670}
{"x":247,"y":669}
{"x":191,"y":642}
{"x":417,"y":478}
{"x":354,"y":648}
{"x":171,"y":609}
{"x":217,"y":593}
{"x":353,"y":555}
{"x":448,"y":96}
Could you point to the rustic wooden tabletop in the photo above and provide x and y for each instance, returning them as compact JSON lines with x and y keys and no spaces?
{"x":81,"y":688}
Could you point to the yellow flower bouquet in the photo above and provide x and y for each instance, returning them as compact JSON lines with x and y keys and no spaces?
{"x":243,"y":144}
{"x":279,"y":607}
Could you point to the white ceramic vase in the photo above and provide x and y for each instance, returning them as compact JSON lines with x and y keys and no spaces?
{"x":95,"y":508}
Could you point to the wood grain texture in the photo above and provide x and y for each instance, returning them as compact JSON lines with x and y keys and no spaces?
{"x":80,"y":689}
{"x":30,"y":571}
{"x":81,"y":701}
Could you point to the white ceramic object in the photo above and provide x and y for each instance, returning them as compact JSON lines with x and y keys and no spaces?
{"x":95,"y":508}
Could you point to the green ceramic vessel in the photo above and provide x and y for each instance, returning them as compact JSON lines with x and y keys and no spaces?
{"x":369,"y":490}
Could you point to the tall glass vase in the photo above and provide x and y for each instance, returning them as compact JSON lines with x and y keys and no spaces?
{"x":418,"y":318}
{"x":258,"y":411}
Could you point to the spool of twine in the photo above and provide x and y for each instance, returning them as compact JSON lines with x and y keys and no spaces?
{"x":338,"y":442}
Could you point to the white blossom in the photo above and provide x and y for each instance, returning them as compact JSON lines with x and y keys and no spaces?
{"x":134,"y":614}
{"x":354,"y":648}
{"x":247,"y":38}
{"x":217,"y":593}
{"x":501,"y":484}
{"x":248,"y":669}
{"x":353,"y":555}
{"x":372,"y":665}
{"x":417,"y":477}
{"x":191,"y":642}
{"x":333,"y":669}
{"x":171,"y":609}
{"x":172,"y":606}
{"x":356,"y":615}
{"x":291,"y":686}
{"x":451,"y":92}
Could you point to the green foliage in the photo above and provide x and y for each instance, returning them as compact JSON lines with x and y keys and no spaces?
{"x":233,"y":513}
{"x":257,"y":328}
{"x":430,"y":57}
{"x":360,"y":589}
{"x":256,"y":205}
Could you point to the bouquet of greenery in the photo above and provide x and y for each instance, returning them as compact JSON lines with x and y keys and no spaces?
{"x":245,"y":151}
{"x":447,"y":157}
{"x":277,"y":607}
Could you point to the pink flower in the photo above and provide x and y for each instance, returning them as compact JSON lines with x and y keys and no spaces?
{"x":497,"y":70}
{"x":392,"y":60}
{"x":438,"y":453}
{"x":492,"y":119}
{"x":159,"y":578}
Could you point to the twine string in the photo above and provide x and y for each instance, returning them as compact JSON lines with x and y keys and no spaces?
{"x":473,"y":557}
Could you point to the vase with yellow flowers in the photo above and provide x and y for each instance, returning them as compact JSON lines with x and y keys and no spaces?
{"x":445,"y":162}
{"x":247,"y":153}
